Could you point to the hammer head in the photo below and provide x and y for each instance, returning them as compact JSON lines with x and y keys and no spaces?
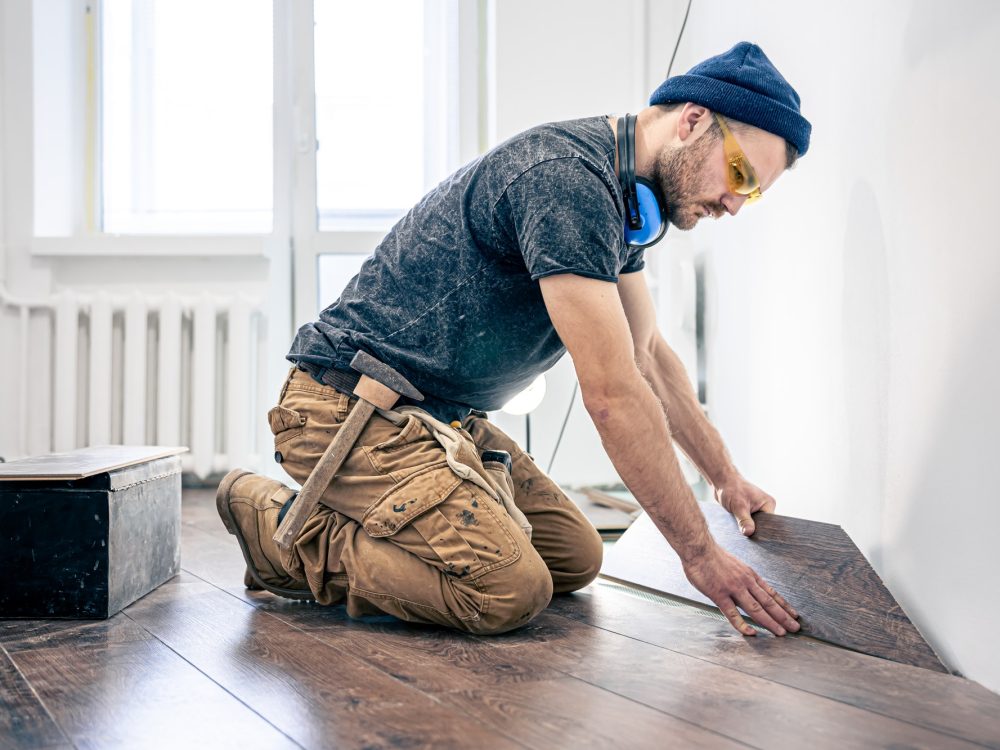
{"x":366,"y":364}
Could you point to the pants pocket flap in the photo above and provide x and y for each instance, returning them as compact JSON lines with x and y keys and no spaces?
{"x":416,"y":494}
{"x":280,"y":419}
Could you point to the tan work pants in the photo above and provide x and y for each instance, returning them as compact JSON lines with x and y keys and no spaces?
{"x":400,"y":532}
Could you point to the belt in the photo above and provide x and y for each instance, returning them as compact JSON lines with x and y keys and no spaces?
{"x":344,"y":381}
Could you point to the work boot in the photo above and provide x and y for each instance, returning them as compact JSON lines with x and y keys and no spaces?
{"x":249,"y":505}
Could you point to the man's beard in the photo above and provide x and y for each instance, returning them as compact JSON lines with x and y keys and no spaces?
{"x":681,"y":176}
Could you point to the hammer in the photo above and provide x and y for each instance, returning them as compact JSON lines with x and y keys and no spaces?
{"x":379,"y":387}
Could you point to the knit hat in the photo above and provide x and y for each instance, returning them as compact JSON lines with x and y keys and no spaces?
{"x":744,"y":85}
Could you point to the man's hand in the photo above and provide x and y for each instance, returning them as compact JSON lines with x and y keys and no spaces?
{"x":728,"y":582}
{"x":741,"y":499}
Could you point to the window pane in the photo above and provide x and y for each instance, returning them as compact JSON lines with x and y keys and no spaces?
{"x":383,"y":82}
{"x":186,"y":116}
{"x":334,"y":271}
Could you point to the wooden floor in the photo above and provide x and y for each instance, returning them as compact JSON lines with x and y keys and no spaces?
{"x":202,"y":663}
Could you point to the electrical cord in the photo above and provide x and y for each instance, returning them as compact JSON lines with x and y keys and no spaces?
{"x":572,"y":398}
{"x":677,"y":45}
{"x":576,"y":383}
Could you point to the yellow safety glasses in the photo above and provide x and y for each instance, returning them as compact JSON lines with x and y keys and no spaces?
{"x":742,"y":178}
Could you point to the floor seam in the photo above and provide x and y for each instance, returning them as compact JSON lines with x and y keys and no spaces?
{"x":212,"y":680}
{"x":10,"y":659}
{"x":339,"y":650}
{"x":777,"y":682}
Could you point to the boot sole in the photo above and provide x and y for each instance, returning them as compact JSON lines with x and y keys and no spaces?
{"x":226,"y":514}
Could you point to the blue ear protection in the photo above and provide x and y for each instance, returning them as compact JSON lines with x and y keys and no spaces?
{"x":645,"y":211}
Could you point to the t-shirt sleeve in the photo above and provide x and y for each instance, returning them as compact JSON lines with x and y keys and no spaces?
{"x":635,"y":261}
{"x":565,"y":220}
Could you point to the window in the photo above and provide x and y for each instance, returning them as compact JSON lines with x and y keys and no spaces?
{"x":186,"y":121}
{"x":386,"y":90}
{"x":167,"y":118}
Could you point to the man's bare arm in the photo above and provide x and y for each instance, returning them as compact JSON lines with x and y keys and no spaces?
{"x":591,"y":322}
{"x":696,"y":436}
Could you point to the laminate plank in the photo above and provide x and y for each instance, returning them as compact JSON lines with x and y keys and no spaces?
{"x":83,"y":462}
{"x":493,"y":684}
{"x":815,"y":566}
{"x":214,"y":558}
{"x":432,"y":659}
{"x":570,"y":713}
{"x":943,"y":703}
{"x":198,"y":508}
{"x":382,"y":643}
{"x":24,"y":721}
{"x":513,"y":693}
{"x":20,"y":635}
{"x":429,"y":658}
{"x":317,"y":694}
{"x":739,"y":706}
{"x":139,"y":694}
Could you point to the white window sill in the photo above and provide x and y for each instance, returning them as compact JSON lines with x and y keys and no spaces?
{"x":122,"y":245}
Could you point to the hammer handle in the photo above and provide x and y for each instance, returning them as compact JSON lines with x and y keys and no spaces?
{"x":331,"y":460}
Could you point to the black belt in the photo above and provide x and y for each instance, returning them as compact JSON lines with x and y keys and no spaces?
{"x":344,"y":381}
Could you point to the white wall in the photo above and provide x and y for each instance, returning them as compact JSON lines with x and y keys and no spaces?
{"x":558,"y":60}
{"x":853,"y":348}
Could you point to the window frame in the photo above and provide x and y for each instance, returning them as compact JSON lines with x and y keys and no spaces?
{"x":470,"y":118}
{"x":295,"y":232}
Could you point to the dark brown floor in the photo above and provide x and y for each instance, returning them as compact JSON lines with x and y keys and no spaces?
{"x":201,"y":662}
{"x":816,"y":566}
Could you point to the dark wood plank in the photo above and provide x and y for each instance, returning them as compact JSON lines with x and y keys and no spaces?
{"x":138,"y":694}
{"x":511,"y":692}
{"x":488,"y":681}
{"x":24,"y":721}
{"x":561,"y":645}
{"x":382,"y":643}
{"x":940,"y":702}
{"x":742,"y":707}
{"x":215,"y":558}
{"x":431,"y":659}
{"x":20,"y":635}
{"x":815,"y":566}
{"x":317,"y":694}
{"x":570,"y":713}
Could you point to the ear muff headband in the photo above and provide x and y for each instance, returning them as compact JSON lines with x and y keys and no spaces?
{"x":630,"y":164}
{"x":645,"y":211}
{"x":632,"y":219}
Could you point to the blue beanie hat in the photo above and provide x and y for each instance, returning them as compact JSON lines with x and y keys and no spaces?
{"x":744,"y":85}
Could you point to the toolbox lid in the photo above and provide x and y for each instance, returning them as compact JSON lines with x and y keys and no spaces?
{"x":84,"y":462}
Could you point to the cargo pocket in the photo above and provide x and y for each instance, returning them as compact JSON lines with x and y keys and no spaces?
{"x":285,"y":424}
{"x":417,"y":494}
{"x":414,"y":507}
{"x":409,"y":451}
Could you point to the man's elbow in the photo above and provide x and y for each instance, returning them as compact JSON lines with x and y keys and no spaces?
{"x":606,"y":398}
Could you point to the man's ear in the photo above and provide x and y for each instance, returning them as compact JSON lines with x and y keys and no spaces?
{"x":694,"y":120}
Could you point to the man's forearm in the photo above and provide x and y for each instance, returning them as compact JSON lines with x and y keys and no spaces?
{"x":696,"y":436}
{"x":634,"y":431}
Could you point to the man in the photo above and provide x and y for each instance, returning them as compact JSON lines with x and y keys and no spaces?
{"x":511,"y":261}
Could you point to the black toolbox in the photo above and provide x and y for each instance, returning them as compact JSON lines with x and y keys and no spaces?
{"x":84,"y":534}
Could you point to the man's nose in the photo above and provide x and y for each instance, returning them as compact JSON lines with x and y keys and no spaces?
{"x":733,"y":202}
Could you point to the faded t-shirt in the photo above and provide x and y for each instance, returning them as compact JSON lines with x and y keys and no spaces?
{"x":450,"y":297}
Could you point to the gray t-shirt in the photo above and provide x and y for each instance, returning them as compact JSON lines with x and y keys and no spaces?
{"x":450,"y":297}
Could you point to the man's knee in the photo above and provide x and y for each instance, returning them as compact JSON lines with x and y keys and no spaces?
{"x":582,"y":563}
{"x":513,"y":595}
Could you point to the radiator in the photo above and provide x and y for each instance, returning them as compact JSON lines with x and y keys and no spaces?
{"x":139,"y":369}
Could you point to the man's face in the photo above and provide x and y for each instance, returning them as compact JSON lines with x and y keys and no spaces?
{"x":692,"y":177}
